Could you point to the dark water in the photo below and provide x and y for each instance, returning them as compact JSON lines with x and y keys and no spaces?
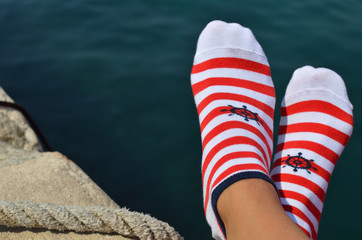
{"x":108,"y":83}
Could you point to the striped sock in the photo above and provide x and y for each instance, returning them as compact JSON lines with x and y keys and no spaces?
{"x":316,"y":123}
{"x":235,"y":99}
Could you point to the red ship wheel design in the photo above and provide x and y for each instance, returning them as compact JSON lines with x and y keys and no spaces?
{"x":245,"y":113}
{"x":299,"y":162}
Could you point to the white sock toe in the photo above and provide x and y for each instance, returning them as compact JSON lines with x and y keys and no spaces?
{"x":218,"y":35}
{"x":310,"y":79}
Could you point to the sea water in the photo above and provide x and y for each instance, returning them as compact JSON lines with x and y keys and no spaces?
{"x":108,"y":84}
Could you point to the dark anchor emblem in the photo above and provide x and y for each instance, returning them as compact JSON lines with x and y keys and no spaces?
{"x":243,"y":112}
{"x":299,"y":162}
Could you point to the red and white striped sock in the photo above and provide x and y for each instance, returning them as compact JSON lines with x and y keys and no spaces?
{"x":235,"y":99}
{"x":316,"y":124}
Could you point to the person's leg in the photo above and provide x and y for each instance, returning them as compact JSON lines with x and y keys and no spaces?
{"x":235,"y":98}
{"x":316,"y":124}
{"x":251,"y":209}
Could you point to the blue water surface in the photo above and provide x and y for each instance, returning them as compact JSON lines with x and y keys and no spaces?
{"x":108,"y":83}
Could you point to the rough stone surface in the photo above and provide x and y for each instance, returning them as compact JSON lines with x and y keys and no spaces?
{"x":29,"y":175}
{"x":47,"y":177}
{"x":14,"y":128}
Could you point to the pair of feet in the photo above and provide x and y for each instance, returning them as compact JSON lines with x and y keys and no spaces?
{"x":235,"y":99}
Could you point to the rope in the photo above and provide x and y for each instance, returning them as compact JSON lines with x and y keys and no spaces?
{"x":85,"y":219}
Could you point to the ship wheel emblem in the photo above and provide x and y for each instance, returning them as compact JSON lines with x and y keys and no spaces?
{"x":243,"y":112}
{"x":299,"y":162}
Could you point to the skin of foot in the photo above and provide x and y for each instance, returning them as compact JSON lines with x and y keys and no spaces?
{"x":251,"y":209}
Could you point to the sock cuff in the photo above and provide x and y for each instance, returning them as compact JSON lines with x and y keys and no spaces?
{"x":229,"y":181}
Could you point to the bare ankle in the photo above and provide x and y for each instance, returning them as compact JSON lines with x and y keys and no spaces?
{"x":251,"y":209}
